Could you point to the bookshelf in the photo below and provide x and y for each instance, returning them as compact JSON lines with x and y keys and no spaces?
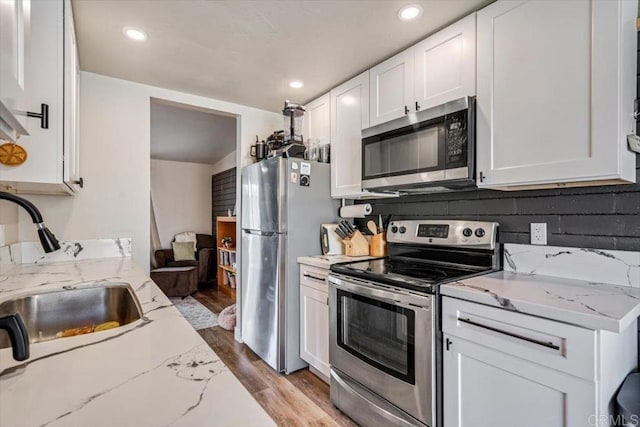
{"x":226,"y":277}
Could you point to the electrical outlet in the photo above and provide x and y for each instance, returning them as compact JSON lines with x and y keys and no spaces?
{"x":539,"y":233}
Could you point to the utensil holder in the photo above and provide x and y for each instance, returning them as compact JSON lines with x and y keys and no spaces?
{"x":356,"y":245}
{"x":378,"y":245}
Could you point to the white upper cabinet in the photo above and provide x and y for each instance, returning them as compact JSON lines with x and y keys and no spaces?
{"x":445,"y":65}
{"x":556,"y":84}
{"x":439,"y":69}
{"x":52,"y":78}
{"x":349,"y":115}
{"x":391,"y":88}
{"x":317,"y":119}
{"x":14,"y":48}
{"x":71,"y":102}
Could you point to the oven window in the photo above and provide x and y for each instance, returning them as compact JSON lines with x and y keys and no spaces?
{"x":378,"y":333}
{"x":403,"y":153}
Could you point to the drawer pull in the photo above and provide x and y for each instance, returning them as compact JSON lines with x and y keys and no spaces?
{"x":511,"y":334}
{"x":320,"y":279}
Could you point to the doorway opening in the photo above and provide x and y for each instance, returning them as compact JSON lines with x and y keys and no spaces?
{"x":190,"y":146}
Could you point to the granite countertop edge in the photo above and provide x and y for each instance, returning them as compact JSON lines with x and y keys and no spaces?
{"x":595,"y":306}
{"x":81,"y":380}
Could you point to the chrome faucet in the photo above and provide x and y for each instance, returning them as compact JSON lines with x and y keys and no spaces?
{"x":47,"y":239}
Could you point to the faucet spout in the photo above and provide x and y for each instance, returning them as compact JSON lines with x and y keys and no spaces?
{"x":47,"y":239}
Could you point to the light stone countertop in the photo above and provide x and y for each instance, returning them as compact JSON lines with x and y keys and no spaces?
{"x":325,"y":261}
{"x":591,"y":305}
{"x":156,"y":371}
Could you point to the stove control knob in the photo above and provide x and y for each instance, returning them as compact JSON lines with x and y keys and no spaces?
{"x":403,"y":229}
{"x":394,"y":229}
{"x":467,"y":232}
{"x":480,"y":232}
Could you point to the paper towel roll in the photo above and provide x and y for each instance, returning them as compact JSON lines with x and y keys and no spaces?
{"x":355,"y":211}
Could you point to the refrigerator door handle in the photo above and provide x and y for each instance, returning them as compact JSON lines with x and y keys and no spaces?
{"x":260,"y":233}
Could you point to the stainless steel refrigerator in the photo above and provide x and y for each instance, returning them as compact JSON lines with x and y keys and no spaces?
{"x":284,"y":201}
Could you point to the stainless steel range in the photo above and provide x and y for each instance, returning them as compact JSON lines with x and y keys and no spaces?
{"x":385,"y":346}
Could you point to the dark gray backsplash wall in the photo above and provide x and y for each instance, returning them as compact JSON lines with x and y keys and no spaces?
{"x":223,"y":194}
{"x":593,"y":217}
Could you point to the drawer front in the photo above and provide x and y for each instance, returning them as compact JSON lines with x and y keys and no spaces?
{"x":314,"y":277}
{"x":556,"y":345}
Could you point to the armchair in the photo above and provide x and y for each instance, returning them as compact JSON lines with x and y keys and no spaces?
{"x":205,"y":258}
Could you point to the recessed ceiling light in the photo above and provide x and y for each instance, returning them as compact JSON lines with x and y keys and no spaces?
{"x":135,"y":34}
{"x":296,"y":84}
{"x":409,"y":12}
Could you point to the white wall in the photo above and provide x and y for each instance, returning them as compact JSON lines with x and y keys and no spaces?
{"x":115,"y":162}
{"x":9,"y":217}
{"x":225,"y":163}
{"x":181,"y":195}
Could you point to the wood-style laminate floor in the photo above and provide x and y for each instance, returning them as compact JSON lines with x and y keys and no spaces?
{"x":299,"y":399}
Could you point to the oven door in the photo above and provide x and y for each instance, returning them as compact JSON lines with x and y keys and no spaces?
{"x":383,"y":339}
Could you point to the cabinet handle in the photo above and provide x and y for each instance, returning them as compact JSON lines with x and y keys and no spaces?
{"x":320,"y":279}
{"x":417,"y":106}
{"x":406,"y":109}
{"x":80,"y":182}
{"x":43,"y":115}
{"x":511,"y":334}
{"x":482,"y":177}
{"x":448,"y":344}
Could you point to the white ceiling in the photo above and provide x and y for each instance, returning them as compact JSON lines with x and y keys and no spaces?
{"x":183,"y":134}
{"x":246,"y":52}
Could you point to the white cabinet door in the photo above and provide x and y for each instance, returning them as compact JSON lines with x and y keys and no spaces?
{"x":52,"y":78}
{"x":391,"y":88}
{"x":314,"y":328}
{"x":349,"y":115}
{"x":71,"y":101}
{"x":555,"y":89}
{"x":14,"y":49}
{"x":484,"y":387}
{"x":445,"y":64}
{"x":317,"y":120}
{"x":44,"y":79}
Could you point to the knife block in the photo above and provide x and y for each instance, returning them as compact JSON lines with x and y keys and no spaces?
{"x":356,"y":245}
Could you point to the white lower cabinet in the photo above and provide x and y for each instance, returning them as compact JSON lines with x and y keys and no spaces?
{"x":485,"y":387}
{"x":504,"y":368}
{"x":314,"y":319}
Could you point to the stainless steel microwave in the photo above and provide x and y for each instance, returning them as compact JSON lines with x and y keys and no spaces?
{"x":423,"y":151}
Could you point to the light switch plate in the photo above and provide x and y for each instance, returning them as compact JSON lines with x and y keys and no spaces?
{"x":539,"y":233}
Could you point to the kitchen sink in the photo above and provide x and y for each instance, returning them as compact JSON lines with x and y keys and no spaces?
{"x":47,"y":314}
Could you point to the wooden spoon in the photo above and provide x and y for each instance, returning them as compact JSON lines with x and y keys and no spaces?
{"x":372,"y":227}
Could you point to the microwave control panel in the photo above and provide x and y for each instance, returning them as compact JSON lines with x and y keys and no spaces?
{"x":456,"y":140}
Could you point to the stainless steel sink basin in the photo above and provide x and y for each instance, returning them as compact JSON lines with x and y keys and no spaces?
{"x":46,"y":314}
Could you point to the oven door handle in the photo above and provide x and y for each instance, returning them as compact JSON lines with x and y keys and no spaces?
{"x":371,"y":291}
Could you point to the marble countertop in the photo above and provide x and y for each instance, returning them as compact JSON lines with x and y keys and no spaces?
{"x":325,"y":261}
{"x":590,"y":305}
{"x":156,"y":371}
